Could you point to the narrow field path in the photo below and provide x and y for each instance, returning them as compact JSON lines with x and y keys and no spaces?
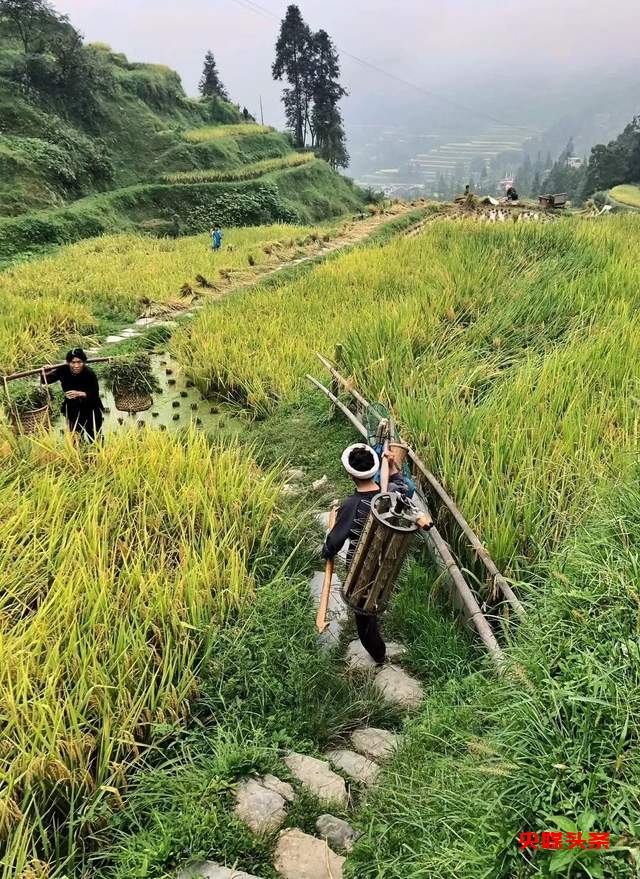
{"x":164,"y":314}
{"x":337,"y":781}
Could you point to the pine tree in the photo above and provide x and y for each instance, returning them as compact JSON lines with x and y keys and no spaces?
{"x":294,"y":57}
{"x":210,"y":83}
{"x":326,"y":119}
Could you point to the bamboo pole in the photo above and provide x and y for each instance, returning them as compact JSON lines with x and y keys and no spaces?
{"x":346,"y":412}
{"x":476,"y":544}
{"x":343,"y":381}
{"x":46,"y":368}
{"x":470,"y":606}
{"x":321,"y":618}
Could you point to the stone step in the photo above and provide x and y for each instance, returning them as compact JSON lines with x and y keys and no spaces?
{"x":209,"y":870}
{"x":300,"y":856}
{"x":357,"y":658}
{"x":272,"y":782}
{"x":399,"y":688}
{"x":357,"y":767}
{"x":318,"y":778}
{"x":261,"y":808}
{"x":338,"y":833}
{"x":377,"y":744}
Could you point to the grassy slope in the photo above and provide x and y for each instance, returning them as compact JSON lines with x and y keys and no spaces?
{"x":304,"y":194}
{"x":53,"y":167}
{"x":627,"y":195}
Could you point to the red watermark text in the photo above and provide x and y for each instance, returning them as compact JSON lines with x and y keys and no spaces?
{"x":557,"y":841}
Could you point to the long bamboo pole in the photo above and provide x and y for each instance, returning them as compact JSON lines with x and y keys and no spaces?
{"x":336,"y":402}
{"x":48,"y":366}
{"x":471,"y":608}
{"x":476,"y":544}
{"x":343,"y":381}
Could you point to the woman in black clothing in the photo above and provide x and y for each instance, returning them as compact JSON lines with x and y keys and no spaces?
{"x":82,"y":405}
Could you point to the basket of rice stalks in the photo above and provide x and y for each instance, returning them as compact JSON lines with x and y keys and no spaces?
{"x":131,"y":380}
{"x":28,"y":407}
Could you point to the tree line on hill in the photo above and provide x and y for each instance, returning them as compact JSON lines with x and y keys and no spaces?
{"x":52,"y":60}
{"x":608,"y":165}
{"x":310,"y":65}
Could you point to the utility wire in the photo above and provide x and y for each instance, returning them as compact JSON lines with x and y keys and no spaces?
{"x":252,"y":6}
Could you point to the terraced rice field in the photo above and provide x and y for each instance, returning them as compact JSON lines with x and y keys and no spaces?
{"x":514,"y":385}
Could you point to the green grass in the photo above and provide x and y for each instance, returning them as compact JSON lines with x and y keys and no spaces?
{"x":490,"y":759}
{"x":627,"y":195}
{"x":199,"y":135}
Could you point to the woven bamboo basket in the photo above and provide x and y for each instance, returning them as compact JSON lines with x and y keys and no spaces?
{"x":381,"y":551}
{"x":31,"y":422}
{"x":129,"y":401}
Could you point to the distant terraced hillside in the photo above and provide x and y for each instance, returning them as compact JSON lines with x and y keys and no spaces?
{"x":143,"y":156}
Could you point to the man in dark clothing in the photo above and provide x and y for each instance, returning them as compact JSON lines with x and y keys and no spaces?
{"x":512,"y":195}
{"x":362,"y":463}
{"x":82,"y":405}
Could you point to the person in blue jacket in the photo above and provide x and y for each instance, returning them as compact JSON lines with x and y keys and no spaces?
{"x":216,"y":237}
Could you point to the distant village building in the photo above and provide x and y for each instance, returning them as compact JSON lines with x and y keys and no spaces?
{"x":505,"y":183}
{"x":575,"y":162}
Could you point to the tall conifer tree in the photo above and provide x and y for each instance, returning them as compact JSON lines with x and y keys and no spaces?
{"x":210,"y":83}
{"x":294,"y":51}
{"x":326,"y":119}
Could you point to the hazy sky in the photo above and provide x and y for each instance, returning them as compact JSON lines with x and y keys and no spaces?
{"x":452,"y":47}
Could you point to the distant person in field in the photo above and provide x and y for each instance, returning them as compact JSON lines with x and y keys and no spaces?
{"x":82,"y":405}
{"x":512,"y":195}
{"x":361,"y":463}
{"x":245,"y":114}
{"x":216,"y":238}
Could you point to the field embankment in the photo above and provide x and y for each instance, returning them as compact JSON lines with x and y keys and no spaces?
{"x":309,"y":193}
{"x":627,"y":195}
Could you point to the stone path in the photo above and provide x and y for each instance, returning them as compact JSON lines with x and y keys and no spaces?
{"x":346,"y":772}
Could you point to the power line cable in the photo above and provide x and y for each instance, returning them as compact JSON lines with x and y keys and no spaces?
{"x":252,"y":6}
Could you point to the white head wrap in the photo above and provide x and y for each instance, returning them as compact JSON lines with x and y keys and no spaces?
{"x":366,"y":474}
